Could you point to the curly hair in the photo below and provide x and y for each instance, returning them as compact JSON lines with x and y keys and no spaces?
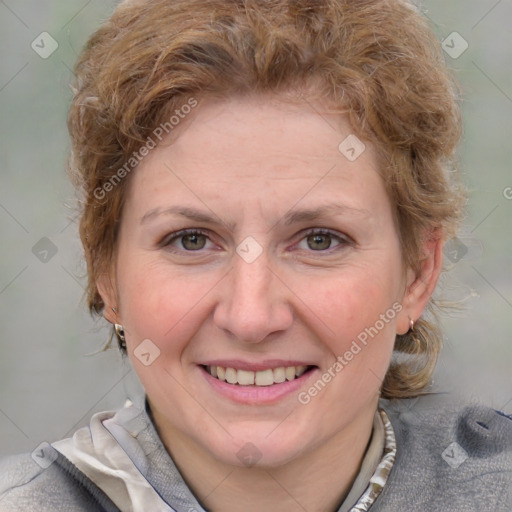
{"x":376,"y":60}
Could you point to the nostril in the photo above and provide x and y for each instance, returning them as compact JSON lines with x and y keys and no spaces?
{"x":483,"y":425}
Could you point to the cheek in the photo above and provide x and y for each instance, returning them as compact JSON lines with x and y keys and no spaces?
{"x":351,"y":302}
{"x":358,"y":314}
{"x":160,"y":305}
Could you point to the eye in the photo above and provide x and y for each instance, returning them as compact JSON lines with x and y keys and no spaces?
{"x":321,"y":240}
{"x":187,"y":239}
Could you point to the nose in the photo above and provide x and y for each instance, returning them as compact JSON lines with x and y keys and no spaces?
{"x":254,"y":302}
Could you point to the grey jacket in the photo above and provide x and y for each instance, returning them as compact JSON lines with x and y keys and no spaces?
{"x":448,"y":459}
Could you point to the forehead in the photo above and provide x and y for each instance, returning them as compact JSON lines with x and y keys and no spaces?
{"x":252,"y":128}
{"x":262,"y":151}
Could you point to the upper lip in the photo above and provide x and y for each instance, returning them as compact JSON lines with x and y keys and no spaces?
{"x":254,"y":366}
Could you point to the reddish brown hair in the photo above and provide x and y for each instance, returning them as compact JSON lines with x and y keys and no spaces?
{"x":375,"y":59}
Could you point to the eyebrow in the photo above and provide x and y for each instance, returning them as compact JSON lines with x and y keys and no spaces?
{"x":296,"y":216}
{"x":182,"y":211}
{"x":291,"y":217}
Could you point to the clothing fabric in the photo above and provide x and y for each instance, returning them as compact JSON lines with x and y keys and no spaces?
{"x":370,"y":465}
{"x":447,"y":458}
{"x":379,"y":478}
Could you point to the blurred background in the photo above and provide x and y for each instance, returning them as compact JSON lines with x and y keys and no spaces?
{"x":50,"y":384}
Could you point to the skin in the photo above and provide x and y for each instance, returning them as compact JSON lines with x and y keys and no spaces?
{"x":247,"y":162}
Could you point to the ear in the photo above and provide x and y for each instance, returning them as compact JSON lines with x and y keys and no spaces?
{"x":420,"y":286}
{"x":107,"y":290}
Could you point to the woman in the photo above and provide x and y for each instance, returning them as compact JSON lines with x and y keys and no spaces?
{"x":266,"y":191}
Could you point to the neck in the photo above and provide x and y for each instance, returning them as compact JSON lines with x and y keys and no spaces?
{"x":317,"y":480}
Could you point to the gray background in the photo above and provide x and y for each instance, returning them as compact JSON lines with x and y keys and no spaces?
{"x":48,"y":383}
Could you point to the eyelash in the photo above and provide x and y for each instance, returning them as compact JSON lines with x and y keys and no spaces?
{"x":343,"y":240}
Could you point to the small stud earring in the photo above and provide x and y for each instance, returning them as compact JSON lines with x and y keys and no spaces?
{"x":411,"y":324}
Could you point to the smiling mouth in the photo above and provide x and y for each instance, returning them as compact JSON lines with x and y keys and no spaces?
{"x":262,"y":378}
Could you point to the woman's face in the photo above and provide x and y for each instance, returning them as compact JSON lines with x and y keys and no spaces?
{"x":293,"y":261}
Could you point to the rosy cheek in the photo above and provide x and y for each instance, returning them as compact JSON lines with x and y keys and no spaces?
{"x":161,"y":308}
{"x":351,"y":296}
{"x":347,"y":313}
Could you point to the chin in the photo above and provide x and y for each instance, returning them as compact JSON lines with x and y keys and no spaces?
{"x":259,"y":446}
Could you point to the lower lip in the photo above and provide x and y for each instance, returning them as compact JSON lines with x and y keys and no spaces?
{"x":257,"y":394}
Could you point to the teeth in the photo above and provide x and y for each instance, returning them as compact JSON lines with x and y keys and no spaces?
{"x":259,"y":378}
{"x":264,"y":378}
{"x":290,"y":373}
{"x":231,"y":376}
{"x":279,"y":374}
{"x":245,"y":378}
{"x":299,"y":370}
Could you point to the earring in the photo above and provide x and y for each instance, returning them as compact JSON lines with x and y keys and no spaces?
{"x":411,"y":324}
{"x":121,"y":340}
{"x":120,"y":332}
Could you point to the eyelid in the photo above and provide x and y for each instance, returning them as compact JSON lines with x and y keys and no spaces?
{"x":326,"y":231}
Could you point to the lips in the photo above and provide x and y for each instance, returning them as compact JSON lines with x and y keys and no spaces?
{"x":261,"y":377}
{"x":262,"y":383}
